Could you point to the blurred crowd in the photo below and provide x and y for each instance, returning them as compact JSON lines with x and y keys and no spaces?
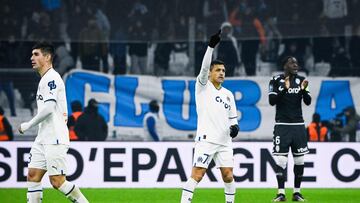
{"x":141,"y":36}
{"x":169,"y":37}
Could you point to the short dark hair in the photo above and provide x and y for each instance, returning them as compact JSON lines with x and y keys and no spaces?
{"x":285,"y":60}
{"x":46,"y":48}
{"x":316,"y":117}
{"x":216,"y":62}
{"x":76,"y":106}
{"x":154,"y":106}
{"x":1,"y":111}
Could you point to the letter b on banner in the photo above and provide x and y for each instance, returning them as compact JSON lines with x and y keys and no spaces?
{"x":250,"y":95}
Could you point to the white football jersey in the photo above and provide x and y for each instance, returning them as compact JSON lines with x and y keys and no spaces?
{"x":216,"y":111}
{"x":53,"y":130}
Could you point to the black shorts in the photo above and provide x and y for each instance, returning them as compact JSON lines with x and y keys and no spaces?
{"x":293,"y":136}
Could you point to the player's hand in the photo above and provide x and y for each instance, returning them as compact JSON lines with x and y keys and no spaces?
{"x":287,"y":82}
{"x":304,"y":84}
{"x":234,"y":129}
{"x":23,"y":127}
{"x":214,"y":39}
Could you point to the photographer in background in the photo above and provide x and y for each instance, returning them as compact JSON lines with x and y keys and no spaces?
{"x":352,"y":120}
{"x":317,"y":131}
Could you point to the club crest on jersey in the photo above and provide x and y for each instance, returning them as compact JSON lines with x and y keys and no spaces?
{"x":52,"y":85}
{"x":226,"y":105}
{"x":297,"y":80}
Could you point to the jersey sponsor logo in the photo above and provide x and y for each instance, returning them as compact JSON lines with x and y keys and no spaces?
{"x":39,"y":97}
{"x":52,"y":85}
{"x":304,"y":149}
{"x":294,"y":90}
{"x":226,"y":105}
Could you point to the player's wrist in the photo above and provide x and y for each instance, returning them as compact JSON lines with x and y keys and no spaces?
{"x":24,"y":126}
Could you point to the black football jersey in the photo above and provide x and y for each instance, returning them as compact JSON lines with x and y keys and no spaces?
{"x":288,"y":101}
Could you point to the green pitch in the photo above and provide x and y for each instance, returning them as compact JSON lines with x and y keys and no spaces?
{"x":173,"y":195}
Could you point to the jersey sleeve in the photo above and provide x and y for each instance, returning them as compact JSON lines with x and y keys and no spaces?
{"x":50,"y":89}
{"x":306,"y":94}
{"x":202,"y":78}
{"x":233,"y":111}
{"x":276,"y":89}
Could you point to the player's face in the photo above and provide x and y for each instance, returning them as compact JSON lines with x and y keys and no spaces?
{"x":217,"y":73}
{"x":292,"y":66}
{"x":38,"y":59}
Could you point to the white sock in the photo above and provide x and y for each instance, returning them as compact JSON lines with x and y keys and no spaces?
{"x":297,"y":190}
{"x":188,"y":190}
{"x":230,"y":192}
{"x":72,"y":192}
{"x":281,"y":191}
{"x":34,"y":193}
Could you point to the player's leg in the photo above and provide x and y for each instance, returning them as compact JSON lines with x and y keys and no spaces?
{"x":299,"y":149}
{"x":70,"y":190}
{"x":36,"y":171}
{"x":197,"y":173}
{"x":34,"y":177}
{"x":202,"y":158}
{"x":298,"y":174}
{"x":280,"y":170}
{"x":56,"y":166}
{"x":230,"y":189}
{"x":281,"y":143}
{"x":224,"y":159}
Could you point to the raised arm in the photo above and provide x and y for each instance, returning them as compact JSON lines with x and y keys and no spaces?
{"x":205,"y":66}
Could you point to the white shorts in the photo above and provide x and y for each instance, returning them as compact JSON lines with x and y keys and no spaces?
{"x":49,"y":157}
{"x":205,"y":152}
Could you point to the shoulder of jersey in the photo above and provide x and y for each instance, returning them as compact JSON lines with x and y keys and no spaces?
{"x":277,"y":77}
{"x":227,"y":91}
{"x":54,"y":74}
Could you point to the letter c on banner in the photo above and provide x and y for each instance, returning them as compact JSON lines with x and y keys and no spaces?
{"x":335,"y":165}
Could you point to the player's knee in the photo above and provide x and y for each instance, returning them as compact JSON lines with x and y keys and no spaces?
{"x":227,"y":177}
{"x":281,"y":161}
{"x":32,"y":176}
{"x":197,"y":177}
{"x":56,"y":182}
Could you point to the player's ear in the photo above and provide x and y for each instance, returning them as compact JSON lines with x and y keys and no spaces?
{"x":48,"y":57}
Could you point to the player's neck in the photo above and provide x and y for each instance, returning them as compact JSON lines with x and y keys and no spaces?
{"x":217,"y":85}
{"x":44,"y":70}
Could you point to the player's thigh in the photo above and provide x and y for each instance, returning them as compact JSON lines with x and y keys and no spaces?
{"x":224,"y":157}
{"x":56,"y":159}
{"x":299,"y":142}
{"x":282,"y":139}
{"x":37,"y":157}
{"x":203,"y":154}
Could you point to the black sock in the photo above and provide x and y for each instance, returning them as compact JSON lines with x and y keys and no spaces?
{"x":281,"y":177}
{"x":298,"y":172}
